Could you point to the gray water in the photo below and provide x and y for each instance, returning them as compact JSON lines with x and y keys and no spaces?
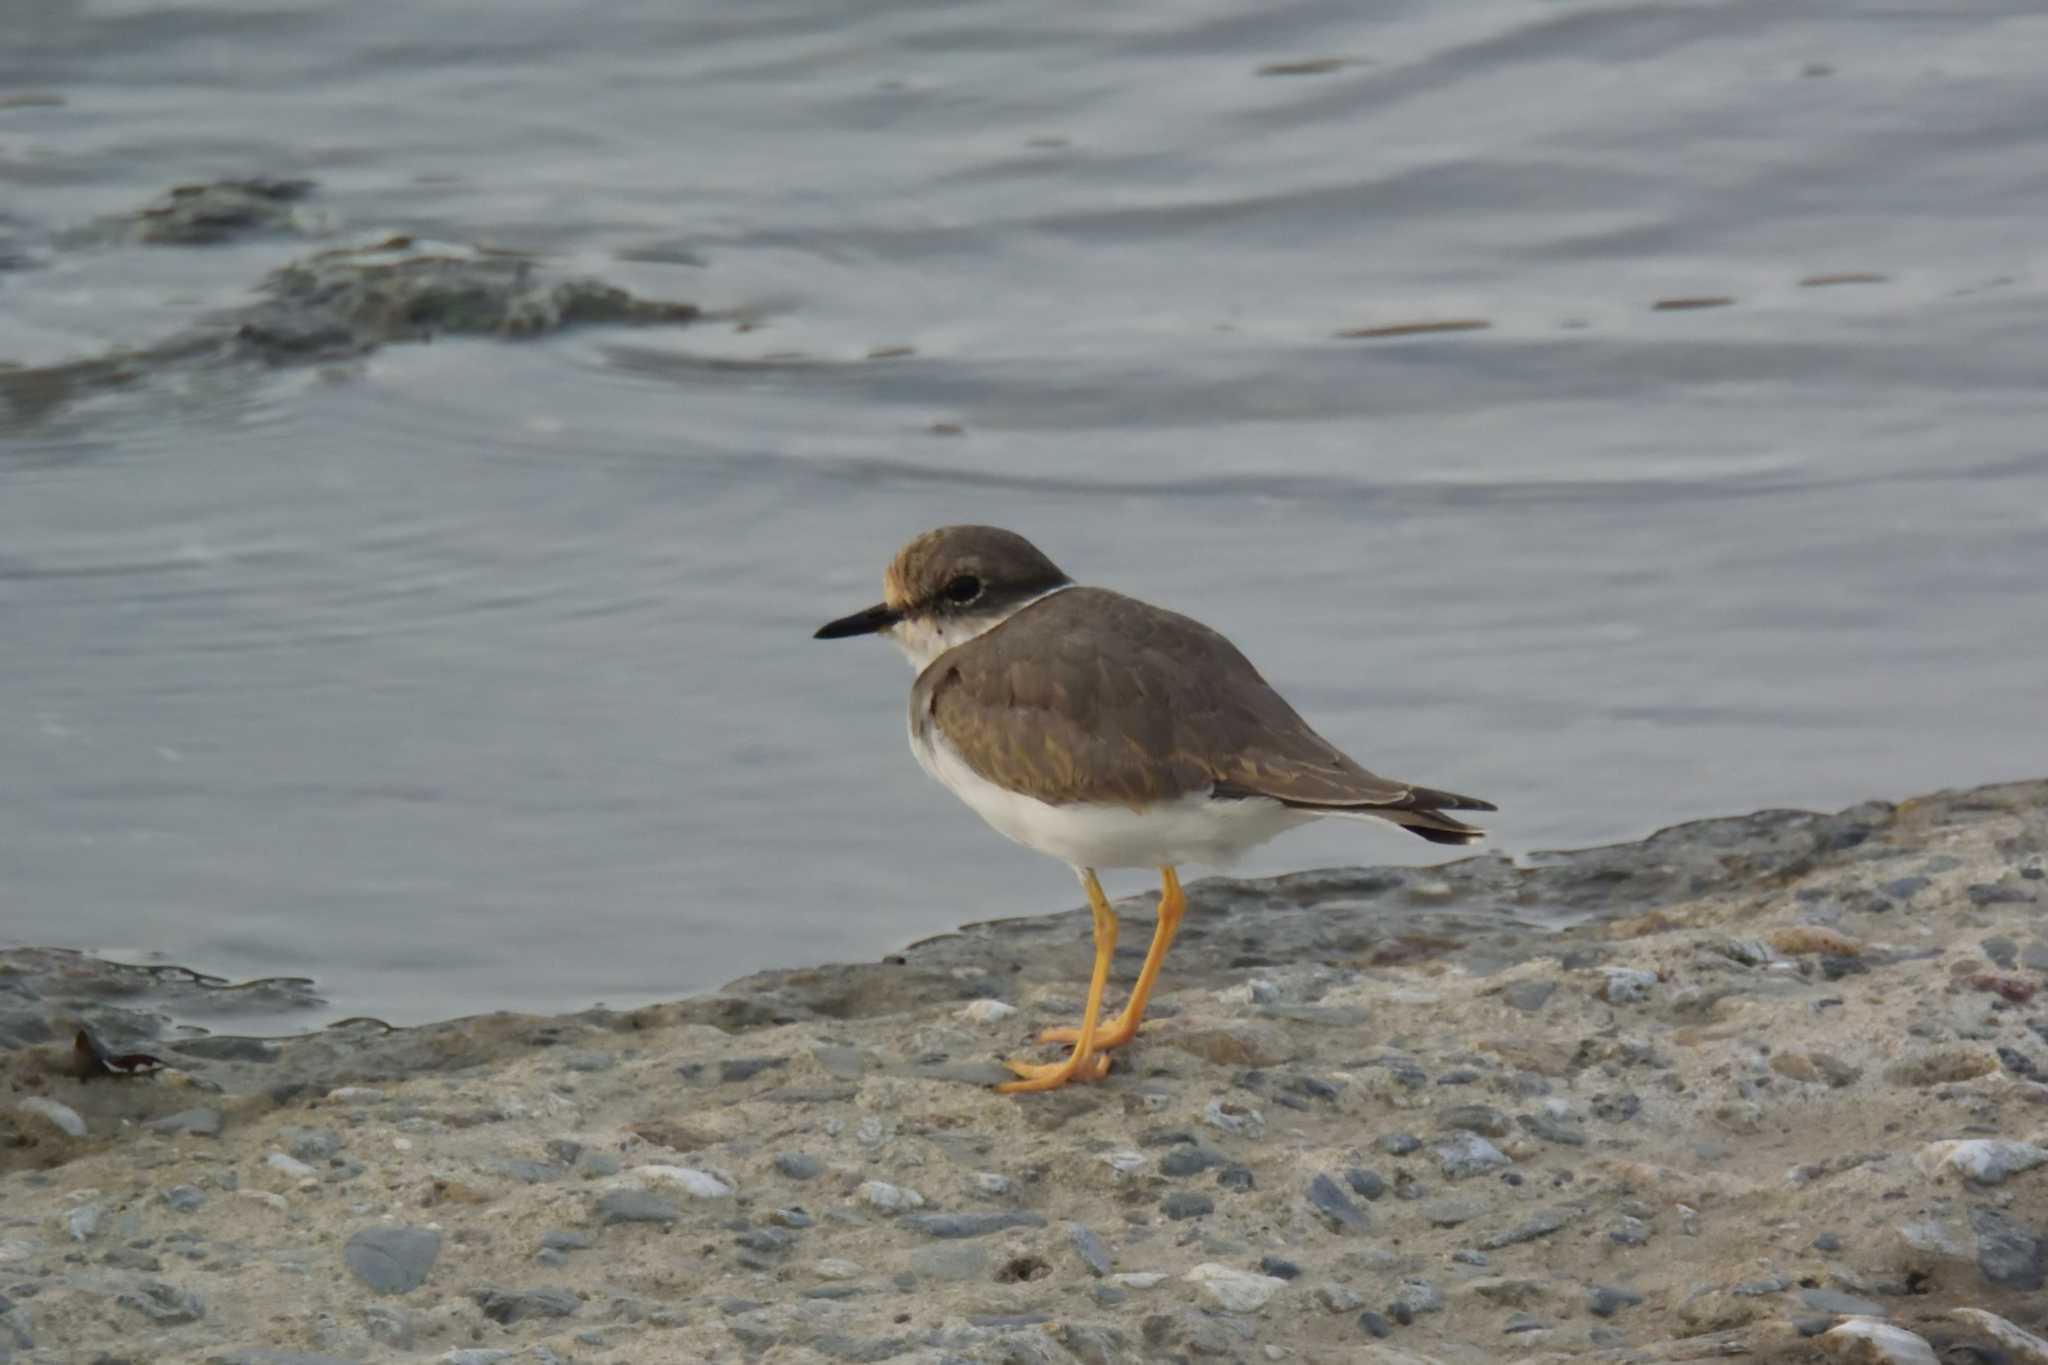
{"x":478,"y":674}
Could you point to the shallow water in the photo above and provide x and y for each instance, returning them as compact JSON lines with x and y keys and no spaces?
{"x":477,"y":674}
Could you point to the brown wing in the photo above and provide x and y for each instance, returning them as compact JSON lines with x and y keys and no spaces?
{"x":1090,"y":696}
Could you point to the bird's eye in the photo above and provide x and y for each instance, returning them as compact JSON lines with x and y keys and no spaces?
{"x":963,"y":590}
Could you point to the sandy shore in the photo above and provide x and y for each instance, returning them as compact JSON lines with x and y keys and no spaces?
{"x":1776,"y":1093}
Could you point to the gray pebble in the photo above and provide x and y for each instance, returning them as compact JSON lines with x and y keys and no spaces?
{"x":1529,"y":996}
{"x":507,"y":1306}
{"x":392,"y":1259}
{"x":1187,"y":1204}
{"x":798,"y":1166}
{"x":1236,"y":1179}
{"x":1093,"y":1253}
{"x":1523,"y":1322}
{"x":1399,"y":1144}
{"x":1334,"y":1207}
{"x":950,"y":1225}
{"x":2008,"y":1253}
{"x":1367,"y":1185}
{"x":184,"y":1198}
{"x":2001,"y":950}
{"x":1905,"y":888}
{"x":1185,"y":1161}
{"x":1450,"y":1213}
{"x":1604,"y":1301}
{"x":1827,"y":1241}
{"x":735,"y":1069}
{"x":1338,"y":1298}
{"x":1468,"y":1154}
{"x":389,"y":1324}
{"x":1374,"y":1324}
{"x":1539,"y":1224}
{"x":521,"y":1169}
{"x":551,"y":1258}
{"x":1279,"y":1268}
{"x":1551,"y":1130}
{"x":1466,"y":1256}
{"x":1417,"y":1297}
{"x":310,"y":1144}
{"x":1477,"y":1118}
{"x":636,"y":1206}
{"x":1629,"y":1232}
{"x":130,"y":1258}
{"x":83,"y":1222}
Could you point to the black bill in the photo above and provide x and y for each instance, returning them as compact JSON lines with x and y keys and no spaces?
{"x":879,"y":617}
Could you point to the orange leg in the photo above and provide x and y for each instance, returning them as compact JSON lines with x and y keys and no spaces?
{"x":1172,"y":905}
{"x":1084,"y":1063}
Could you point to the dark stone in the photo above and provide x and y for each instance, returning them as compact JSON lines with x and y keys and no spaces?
{"x":1185,"y":1161}
{"x":1375,"y":1325}
{"x":765,"y":1241}
{"x":1551,"y":1130}
{"x":1604,"y":1301}
{"x":185,"y":1198}
{"x":1834,"y":967}
{"x":1539,"y":1224}
{"x":1905,"y":888}
{"x":1476,"y":1118}
{"x":1334,"y":1207}
{"x":1523,"y":1322}
{"x":393,"y":1259}
{"x":952,"y":1225}
{"x":1399,"y":1144}
{"x":1235,"y":1179}
{"x":1997,"y":893}
{"x":2001,"y":950}
{"x":1187,"y":1204}
{"x":1093,"y":1253}
{"x":1462,"y":1076}
{"x":312,"y":1145}
{"x":1278,"y":1268}
{"x":2008,"y":1252}
{"x":508,"y":1306}
{"x":1618,"y":1108}
{"x":1365,"y":1184}
{"x":1827,"y":1241}
{"x":2017,"y":1062}
{"x":746,"y":1068}
{"x":797,"y":1166}
{"x":636,"y":1206}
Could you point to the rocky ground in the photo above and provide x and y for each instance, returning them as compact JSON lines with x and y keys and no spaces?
{"x":1776,"y":1093}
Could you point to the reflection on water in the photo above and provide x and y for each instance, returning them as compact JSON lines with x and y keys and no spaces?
{"x":477,"y":674}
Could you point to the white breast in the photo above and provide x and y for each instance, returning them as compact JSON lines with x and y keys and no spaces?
{"x":1190,"y":829}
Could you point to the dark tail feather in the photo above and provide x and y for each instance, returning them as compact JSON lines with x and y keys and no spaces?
{"x":1419,"y":820}
{"x":1445,"y":836}
{"x":1430,"y":799}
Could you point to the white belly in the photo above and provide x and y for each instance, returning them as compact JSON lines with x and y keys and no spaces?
{"x":1191,"y":829}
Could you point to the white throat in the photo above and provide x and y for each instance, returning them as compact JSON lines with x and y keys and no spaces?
{"x":923,"y":639}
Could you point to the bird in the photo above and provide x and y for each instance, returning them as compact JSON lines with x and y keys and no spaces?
{"x":1108,"y":733}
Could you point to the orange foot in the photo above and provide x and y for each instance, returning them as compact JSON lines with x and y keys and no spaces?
{"x":1077,"y":1066}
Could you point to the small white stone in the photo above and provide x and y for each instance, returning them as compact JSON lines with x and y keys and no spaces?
{"x":1139,"y":1279}
{"x":1234,"y":1290}
{"x":275,"y":1201}
{"x":880,"y":1194}
{"x":1627,"y":985}
{"x":691,"y":1181}
{"x":1867,"y":1341}
{"x":834,"y":1268}
{"x":1234,"y":1118}
{"x":986,"y":1011}
{"x":403,"y":1144}
{"x":1124,"y":1162}
{"x":291,"y":1166}
{"x":989,"y":1182}
{"x":82,"y":1223}
{"x":1988,"y":1161}
{"x":63,"y":1115}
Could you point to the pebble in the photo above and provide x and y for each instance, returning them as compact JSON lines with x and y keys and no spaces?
{"x":691,"y":1181}
{"x":1139,"y":1279}
{"x":797,"y":1166}
{"x":1234,"y":1290}
{"x":290,"y":1166}
{"x":1627,"y":985}
{"x":1185,"y":1161}
{"x":950,"y":1225}
{"x":836,"y":1268}
{"x":1368,"y":1185}
{"x":1468,"y":1154}
{"x":1399,"y":1144}
{"x":992,"y":1183}
{"x":1863,"y":1341}
{"x":2008,"y":1254}
{"x":507,"y":1306}
{"x":83,"y":1222}
{"x":1477,"y":1118}
{"x":1279,"y":1268}
{"x":185,"y":1198}
{"x":1187,"y":1204}
{"x":1336,"y":1210}
{"x":392,"y":1258}
{"x":1529,"y":996}
{"x":62,"y":1116}
{"x":1234,"y":1118}
{"x":881,"y":1195}
{"x":1093,"y":1253}
{"x":1236,"y":1179}
{"x":1338,"y":1298}
{"x":1987,"y":1161}
{"x":197,"y":1122}
{"x":2026,"y":1348}
{"x":1604,"y":1301}
{"x":356,"y":1094}
{"x":636,"y":1206}
{"x":986,"y":1011}
{"x":1540,"y":1224}
{"x":163,"y":1304}
{"x":1414,"y":1298}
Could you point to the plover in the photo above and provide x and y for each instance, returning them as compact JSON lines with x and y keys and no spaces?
{"x":1107,"y":732}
